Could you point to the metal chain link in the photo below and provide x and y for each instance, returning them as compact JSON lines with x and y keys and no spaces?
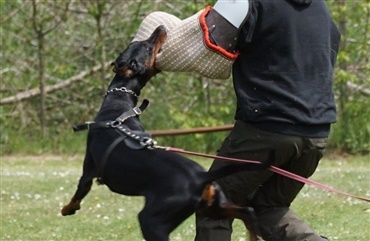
{"x":149,"y":143}
{"x":122,"y":89}
{"x":146,"y":141}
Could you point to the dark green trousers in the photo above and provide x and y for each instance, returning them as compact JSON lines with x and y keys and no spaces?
{"x":268,"y":193}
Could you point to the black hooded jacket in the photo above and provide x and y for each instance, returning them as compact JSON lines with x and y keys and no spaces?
{"x":283,"y":76}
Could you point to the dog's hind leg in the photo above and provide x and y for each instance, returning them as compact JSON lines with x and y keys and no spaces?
{"x":83,"y":188}
{"x":162,"y":214}
{"x":152,"y":228}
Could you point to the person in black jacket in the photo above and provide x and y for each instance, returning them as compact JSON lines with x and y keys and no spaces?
{"x":283,"y":84}
{"x":282,"y":54}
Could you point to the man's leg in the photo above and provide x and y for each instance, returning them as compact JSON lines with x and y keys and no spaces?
{"x":282,"y":224}
{"x":244,"y":142}
{"x":210,"y":229}
{"x":272,"y":200}
{"x":295,"y":154}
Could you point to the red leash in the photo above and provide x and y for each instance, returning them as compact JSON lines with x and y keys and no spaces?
{"x":271,"y":168}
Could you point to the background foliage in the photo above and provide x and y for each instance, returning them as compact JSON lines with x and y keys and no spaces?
{"x":45,"y":43}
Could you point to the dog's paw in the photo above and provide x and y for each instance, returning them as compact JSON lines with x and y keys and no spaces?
{"x":69,"y":209}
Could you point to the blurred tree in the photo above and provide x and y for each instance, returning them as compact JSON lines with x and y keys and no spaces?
{"x":352,"y":80}
{"x":46,"y":17}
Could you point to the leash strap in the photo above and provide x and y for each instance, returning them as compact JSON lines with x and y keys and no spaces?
{"x":313,"y":183}
{"x":271,"y":168}
{"x":90,"y":125}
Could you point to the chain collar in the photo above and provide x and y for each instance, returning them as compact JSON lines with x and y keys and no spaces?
{"x":122,"y":89}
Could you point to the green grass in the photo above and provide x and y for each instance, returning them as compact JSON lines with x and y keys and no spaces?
{"x":34,"y":188}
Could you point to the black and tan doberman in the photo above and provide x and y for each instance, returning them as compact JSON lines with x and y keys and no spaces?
{"x":174,"y":187}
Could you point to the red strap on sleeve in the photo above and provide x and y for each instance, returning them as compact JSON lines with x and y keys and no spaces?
{"x":207,"y":41}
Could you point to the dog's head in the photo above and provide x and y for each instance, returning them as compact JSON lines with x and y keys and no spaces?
{"x":137,"y":60}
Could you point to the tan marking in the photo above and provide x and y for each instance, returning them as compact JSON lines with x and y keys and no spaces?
{"x":127,"y":72}
{"x":208,"y":194}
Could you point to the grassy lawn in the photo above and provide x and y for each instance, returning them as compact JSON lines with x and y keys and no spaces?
{"x":33,"y":190}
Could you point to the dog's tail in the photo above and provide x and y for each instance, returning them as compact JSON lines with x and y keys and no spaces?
{"x":235,"y":167}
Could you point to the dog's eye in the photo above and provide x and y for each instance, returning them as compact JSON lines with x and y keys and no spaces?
{"x":133,"y":64}
{"x":148,"y":47}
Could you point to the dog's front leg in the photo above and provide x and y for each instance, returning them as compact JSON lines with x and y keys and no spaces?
{"x":83,"y":188}
{"x":74,"y":205}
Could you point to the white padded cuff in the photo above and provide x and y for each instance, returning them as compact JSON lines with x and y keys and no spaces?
{"x":234,"y":11}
